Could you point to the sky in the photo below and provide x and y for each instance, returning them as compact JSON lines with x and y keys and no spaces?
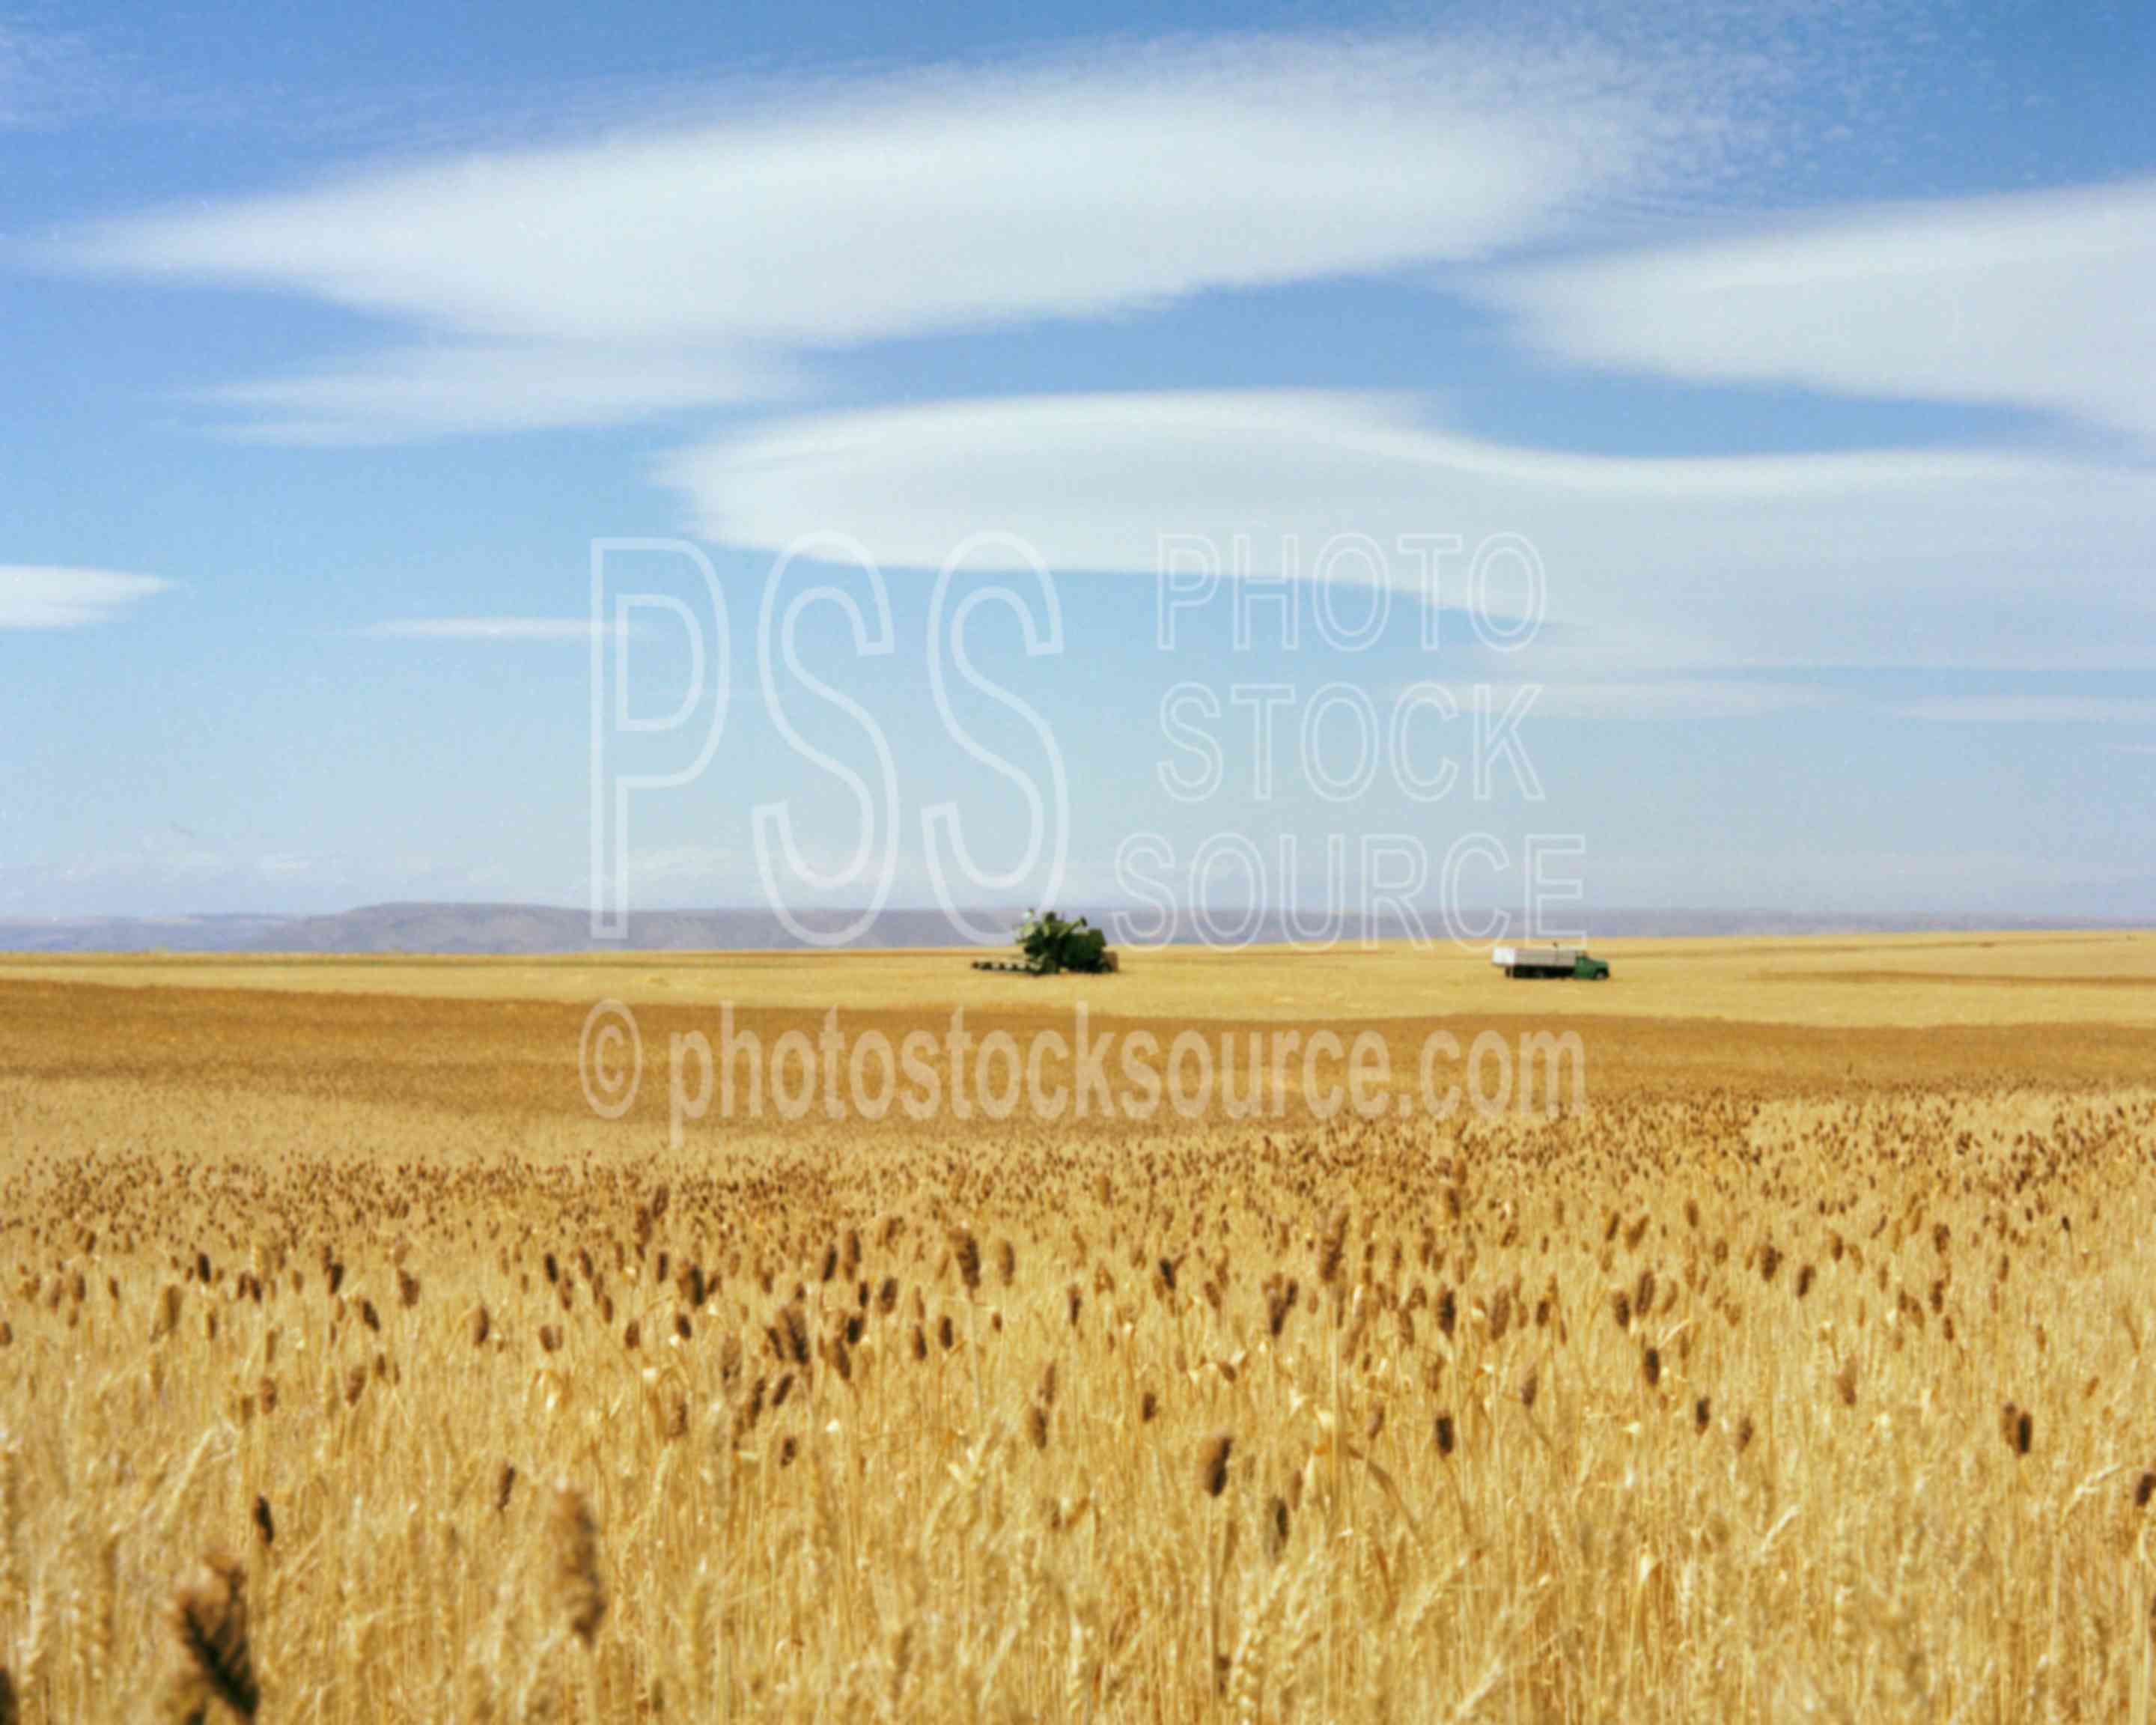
{"x":1744,"y":408}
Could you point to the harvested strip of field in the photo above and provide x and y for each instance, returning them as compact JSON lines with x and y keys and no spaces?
{"x":1766,"y":982}
{"x":519,"y":1057}
{"x":2009,"y":979}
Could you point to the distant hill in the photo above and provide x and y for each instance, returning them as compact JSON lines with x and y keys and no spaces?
{"x":462,"y":928}
{"x":511,"y":929}
{"x":136,"y":934}
{"x":550,"y":928}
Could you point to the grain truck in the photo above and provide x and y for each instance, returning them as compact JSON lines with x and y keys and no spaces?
{"x":1551,"y":962}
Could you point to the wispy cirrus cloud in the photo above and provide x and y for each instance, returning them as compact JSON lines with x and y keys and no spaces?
{"x":1665,"y":699}
{"x":46,"y":596}
{"x":489,"y":629}
{"x":1870,"y":556}
{"x":410,"y":394}
{"x":1644,"y":697}
{"x":2044,"y":301}
{"x":45,"y":76}
{"x":2030,"y":710}
{"x":650,"y":267}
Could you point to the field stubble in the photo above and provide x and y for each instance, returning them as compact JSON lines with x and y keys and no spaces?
{"x":345,"y":1362}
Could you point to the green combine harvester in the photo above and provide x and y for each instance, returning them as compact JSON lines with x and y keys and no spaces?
{"x":1053,"y":946}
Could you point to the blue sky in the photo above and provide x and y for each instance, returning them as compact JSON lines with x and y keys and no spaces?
{"x":1810,"y":347}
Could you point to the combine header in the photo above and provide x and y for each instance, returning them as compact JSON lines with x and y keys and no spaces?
{"x":1550,"y":963}
{"x":1052,"y":946}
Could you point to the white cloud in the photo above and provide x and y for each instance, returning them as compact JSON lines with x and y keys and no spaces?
{"x":490,"y":629}
{"x":1666,"y":698}
{"x":40,"y":596}
{"x":2029,"y":710}
{"x":12,"y":78}
{"x":819,"y":215}
{"x":44,"y":76}
{"x":446,"y":390}
{"x":1642,"y":698}
{"x":170,"y":853}
{"x":1861,"y":556}
{"x":2044,"y":300}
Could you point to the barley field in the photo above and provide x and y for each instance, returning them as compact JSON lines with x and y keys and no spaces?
{"x":351,"y":1369}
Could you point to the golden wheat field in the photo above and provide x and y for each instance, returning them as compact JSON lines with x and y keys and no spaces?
{"x":351,"y":1369}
